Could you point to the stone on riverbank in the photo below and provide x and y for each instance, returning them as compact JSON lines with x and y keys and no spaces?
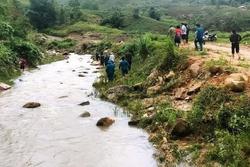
{"x":180,"y":129}
{"x":32,"y":105}
{"x":133,"y":122}
{"x":4,"y":86}
{"x":236,"y":82}
{"x":105,"y":122}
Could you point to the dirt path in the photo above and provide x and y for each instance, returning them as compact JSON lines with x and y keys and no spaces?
{"x":226,"y":48}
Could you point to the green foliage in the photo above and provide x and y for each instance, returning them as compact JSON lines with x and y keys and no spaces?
{"x":102,"y":46}
{"x":154,"y":14}
{"x":145,"y":46}
{"x":229,"y":149}
{"x":64,"y":44}
{"x":42,"y":13}
{"x":92,"y":5}
{"x":6,"y":31}
{"x":129,"y":48}
{"x":116,"y":20}
{"x":172,"y":59}
{"x":206,"y":108}
{"x":28,"y":51}
{"x":7,"y":61}
{"x":136,"y":13}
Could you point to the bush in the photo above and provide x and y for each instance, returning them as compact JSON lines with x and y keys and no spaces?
{"x":7,"y":61}
{"x":6,"y":31}
{"x":129,"y":48}
{"x":145,"y":46}
{"x":172,"y":59}
{"x":64,"y":44}
{"x":116,"y":20}
{"x":154,"y":14}
{"x":28,"y":51}
{"x":229,"y":149}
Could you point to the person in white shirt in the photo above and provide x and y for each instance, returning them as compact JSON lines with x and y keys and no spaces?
{"x":112,"y":57}
{"x":184,"y":32}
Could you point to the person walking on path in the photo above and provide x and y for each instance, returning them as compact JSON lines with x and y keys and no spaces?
{"x":22,"y":64}
{"x":177,"y":38}
{"x":124,"y":66}
{"x":199,"y":37}
{"x":184,"y":33}
{"x":188,"y":30}
{"x":110,"y":70}
{"x":112,"y":57}
{"x":235,"y":39}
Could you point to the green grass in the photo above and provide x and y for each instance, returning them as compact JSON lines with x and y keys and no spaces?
{"x":81,"y":28}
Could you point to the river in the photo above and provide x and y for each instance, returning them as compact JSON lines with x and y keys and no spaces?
{"x":54,"y":135}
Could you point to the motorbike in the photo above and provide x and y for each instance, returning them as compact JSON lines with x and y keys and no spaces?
{"x":209,"y":37}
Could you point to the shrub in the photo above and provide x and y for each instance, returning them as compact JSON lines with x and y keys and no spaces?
{"x":172,"y":59}
{"x":229,"y":149}
{"x":154,"y":14}
{"x":129,"y":48}
{"x":28,"y":51}
{"x":144,"y":46}
{"x":64,"y":44}
{"x":6,"y":31}
{"x":116,"y":20}
{"x":7,"y":61}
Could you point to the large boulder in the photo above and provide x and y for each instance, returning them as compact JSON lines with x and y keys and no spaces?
{"x":4,"y":86}
{"x":105,"y":122}
{"x":236,"y":82}
{"x":196,"y":68}
{"x":115,"y":93}
{"x":214,"y":70}
{"x":32,"y":105}
{"x":180,"y":129}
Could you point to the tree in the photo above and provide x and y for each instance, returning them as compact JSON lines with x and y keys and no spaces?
{"x":42,"y":13}
{"x":136,"y":13}
{"x":75,"y":12}
{"x":154,"y":14}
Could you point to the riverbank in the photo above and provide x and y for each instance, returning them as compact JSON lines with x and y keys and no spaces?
{"x":191,"y":103}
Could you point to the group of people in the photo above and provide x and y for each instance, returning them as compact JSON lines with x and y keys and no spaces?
{"x":180,"y":34}
{"x":108,"y":60}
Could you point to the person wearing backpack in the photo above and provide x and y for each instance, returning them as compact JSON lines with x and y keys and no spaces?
{"x":235,"y":39}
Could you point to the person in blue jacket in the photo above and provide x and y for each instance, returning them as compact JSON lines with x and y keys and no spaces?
{"x":110,"y":70}
{"x":199,"y":37}
{"x":124,"y":66}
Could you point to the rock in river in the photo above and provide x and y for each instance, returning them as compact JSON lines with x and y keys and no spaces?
{"x":32,"y":105}
{"x":85,"y":103}
{"x":85,"y":114}
{"x":105,"y":122}
{"x":4,"y":86}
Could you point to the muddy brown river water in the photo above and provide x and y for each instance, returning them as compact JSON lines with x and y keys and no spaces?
{"x":54,"y":135}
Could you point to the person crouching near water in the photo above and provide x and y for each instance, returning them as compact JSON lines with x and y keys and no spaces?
{"x":110,"y":70}
{"x":235,"y":41}
{"x":23,"y":64}
{"x":124,"y":66}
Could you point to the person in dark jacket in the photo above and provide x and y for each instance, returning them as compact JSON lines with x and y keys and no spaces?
{"x":22,"y":64}
{"x":124,"y":66}
{"x":128,"y":57}
{"x":102,"y":58}
{"x":235,"y":39}
{"x":110,"y":70}
{"x":199,"y":37}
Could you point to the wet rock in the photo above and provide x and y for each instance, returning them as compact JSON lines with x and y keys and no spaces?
{"x":180,"y":129}
{"x":133,"y":122}
{"x":73,"y":70}
{"x":4,"y":86}
{"x":99,"y":68}
{"x":84,"y":72}
{"x":81,"y":75}
{"x":85,"y":114}
{"x":32,"y":105}
{"x":195,"y":88}
{"x":153,"y":76}
{"x":214,"y":70}
{"x":85,"y":103}
{"x":236,"y":82}
{"x":105,"y":122}
{"x":95,"y":72}
{"x":65,"y":54}
{"x":153,"y":90}
{"x":180,"y":94}
{"x":196,"y":68}
{"x":61,"y":97}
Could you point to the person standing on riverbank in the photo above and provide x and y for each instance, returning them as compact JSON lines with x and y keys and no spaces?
{"x":177,"y":38}
{"x":235,"y":39}
{"x":110,"y":70}
{"x":124,"y":66}
{"x":22,"y":64}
